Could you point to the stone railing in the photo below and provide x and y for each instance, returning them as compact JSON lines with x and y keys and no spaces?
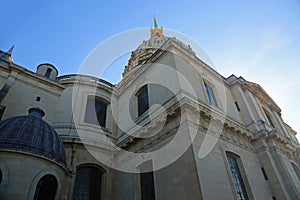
{"x":72,"y":78}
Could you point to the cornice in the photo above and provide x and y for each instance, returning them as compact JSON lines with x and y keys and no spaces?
{"x":261,"y":95}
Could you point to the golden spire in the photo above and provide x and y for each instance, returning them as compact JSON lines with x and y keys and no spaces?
{"x":155,"y":22}
{"x":156,"y":32}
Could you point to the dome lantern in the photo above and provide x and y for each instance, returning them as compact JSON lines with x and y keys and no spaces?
{"x":145,"y":50}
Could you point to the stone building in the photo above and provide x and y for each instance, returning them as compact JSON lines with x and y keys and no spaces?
{"x":172,"y":128}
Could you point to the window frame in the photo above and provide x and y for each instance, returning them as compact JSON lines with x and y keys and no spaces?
{"x":148,"y":167}
{"x":142,"y":111}
{"x":48,"y":72}
{"x":39,"y":187}
{"x":102,"y":180}
{"x":210,"y":94}
{"x":89,"y":119}
{"x":241,"y":172}
{"x":269,"y":118}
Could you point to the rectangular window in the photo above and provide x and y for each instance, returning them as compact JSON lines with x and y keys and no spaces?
{"x":210,"y":94}
{"x":2,"y":109}
{"x":95,"y":111}
{"x":48,"y":73}
{"x":237,"y":178}
{"x":237,"y":106}
{"x":269,"y":119}
{"x":264,"y":173}
{"x":143,"y":100}
{"x":147,"y":186}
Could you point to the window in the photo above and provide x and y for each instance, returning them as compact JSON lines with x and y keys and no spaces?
{"x":1,"y":175}
{"x":147,"y":186}
{"x":147,"y":181}
{"x":237,"y":180}
{"x":46,"y":188}
{"x":297,"y":171}
{"x":269,"y":119}
{"x":210,"y":94}
{"x":95,"y":111}
{"x":264,"y":173}
{"x":2,"y":109}
{"x":48,"y":72}
{"x":88,"y":184}
{"x":237,"y":106}
{"x":142,"y":100}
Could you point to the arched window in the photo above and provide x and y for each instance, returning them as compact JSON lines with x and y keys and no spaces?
{"x":95,"y":111}
{"x":142,"y":100}
{"x":88,"y":184}
{"x":236,"y":176}
{"x":46,"y":188}
{"x":48,"y":72}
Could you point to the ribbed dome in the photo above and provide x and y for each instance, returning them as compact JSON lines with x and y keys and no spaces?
{"x":31,"y":133}
{"x":146,"y":49}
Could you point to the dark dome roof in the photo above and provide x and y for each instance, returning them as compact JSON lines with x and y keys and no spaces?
{"x":31,"y":133}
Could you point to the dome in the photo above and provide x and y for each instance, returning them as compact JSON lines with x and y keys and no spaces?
{"x":32,"y":134}
{"x":146,"y":49}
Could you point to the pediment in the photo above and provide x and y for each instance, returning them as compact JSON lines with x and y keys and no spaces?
{"x":263,"y":96}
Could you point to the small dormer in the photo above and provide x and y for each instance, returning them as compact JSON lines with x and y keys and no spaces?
{"x":47,"y":70}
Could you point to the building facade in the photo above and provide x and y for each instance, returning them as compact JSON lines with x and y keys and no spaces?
{"x":172,"y":128}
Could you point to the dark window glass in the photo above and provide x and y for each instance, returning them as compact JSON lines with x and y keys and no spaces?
{"x":147,"y":186}
{"x":95,"y":111}
{"x":269,"y":119}
{"x":88,"y":184}
{"x":48,"y":72}
{"x":210,"y":94}
{"x":237,"y":178}
{"x":237,"y":106}
{"x":1,"y":175}
{"x":264,"y":173}
{"x":46,"y":188}
{"x":2,"y":109}
{"x":143,"y":100}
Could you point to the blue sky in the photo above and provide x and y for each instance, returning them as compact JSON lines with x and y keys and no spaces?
{"x":258,"y":40}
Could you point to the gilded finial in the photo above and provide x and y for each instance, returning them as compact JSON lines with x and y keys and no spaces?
{"x":156,"y":32}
